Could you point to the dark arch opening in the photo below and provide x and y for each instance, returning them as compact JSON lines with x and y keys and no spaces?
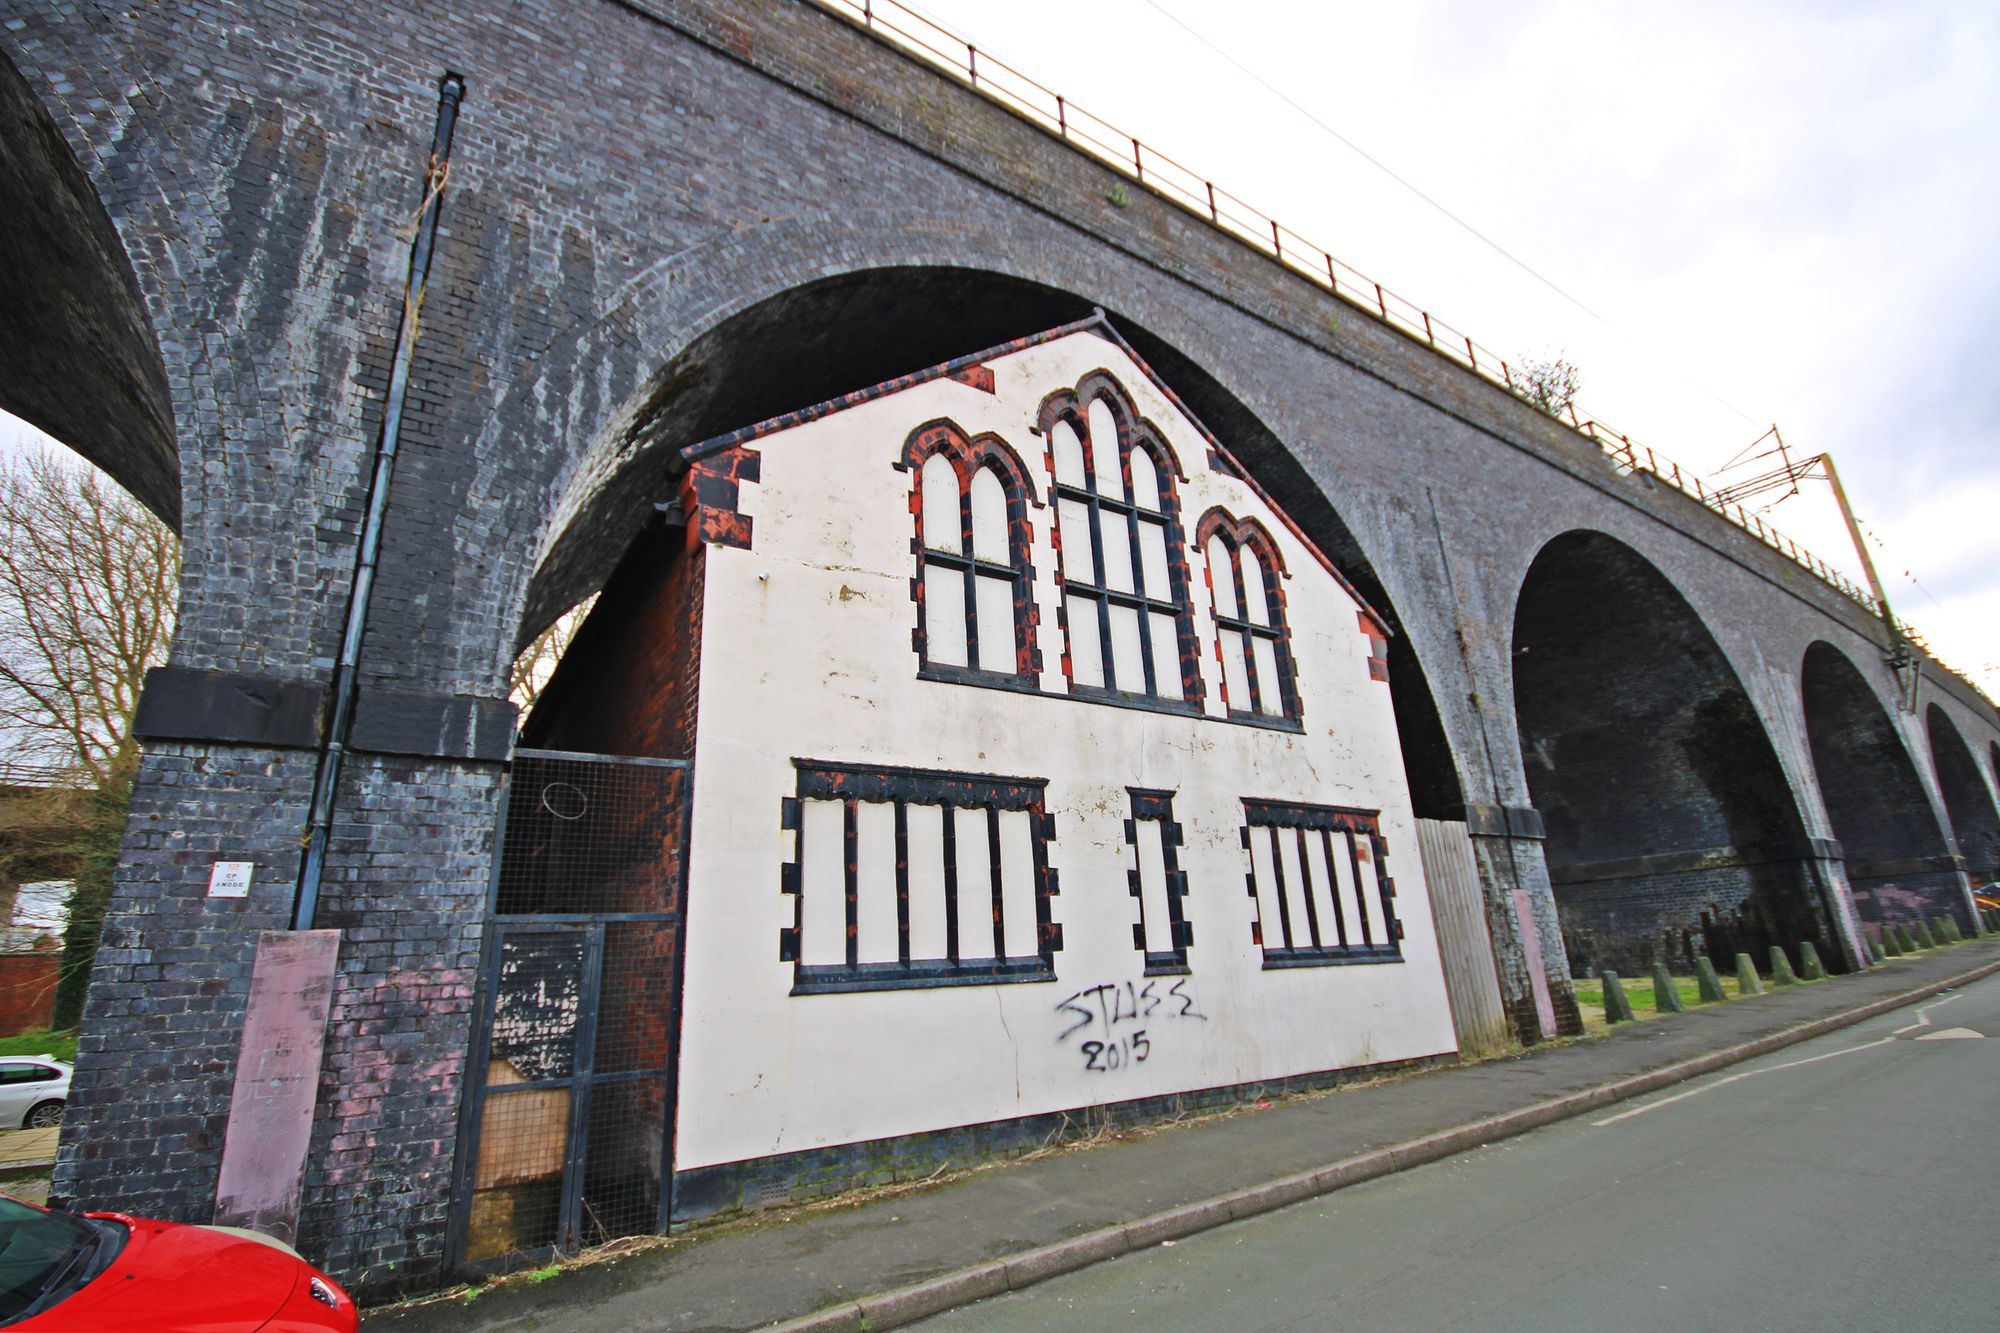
{"x":1975,"y":823}
{"x":77,"y":354}
{"x":826,"y":338}
{"x":1899,"y":867}
{"x":1672,"y":832}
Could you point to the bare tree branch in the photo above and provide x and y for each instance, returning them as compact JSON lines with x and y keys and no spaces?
{"x":88,"y":583}
{"x":1550,"y":384}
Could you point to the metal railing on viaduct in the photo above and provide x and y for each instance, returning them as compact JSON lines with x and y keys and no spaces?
{"x":1156,"y":171}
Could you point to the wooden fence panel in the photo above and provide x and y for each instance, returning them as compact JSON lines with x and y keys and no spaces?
{"x":1456,"y":906}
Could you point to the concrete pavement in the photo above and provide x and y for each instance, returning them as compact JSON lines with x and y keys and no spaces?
{"x":1847,"y":1182}
{"x":892,"y":1260}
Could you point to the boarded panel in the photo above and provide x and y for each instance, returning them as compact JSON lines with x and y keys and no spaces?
{"x":277,"y":1081}
{"x":1469,"y":976}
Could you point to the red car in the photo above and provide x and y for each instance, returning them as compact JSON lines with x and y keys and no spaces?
{"x":109,"y":1273}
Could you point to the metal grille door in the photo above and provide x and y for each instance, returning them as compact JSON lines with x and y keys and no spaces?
{"x":570,"y":1122}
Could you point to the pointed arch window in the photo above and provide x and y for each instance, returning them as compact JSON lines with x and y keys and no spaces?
{"x":975,"y":586}
{"x":1248,"y":599}
{"x":1124,"y":563}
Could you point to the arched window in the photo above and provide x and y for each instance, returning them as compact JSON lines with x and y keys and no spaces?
{"x":1124,"y":569}
{"x":975,"y":587}
{"x":1249,"y":604}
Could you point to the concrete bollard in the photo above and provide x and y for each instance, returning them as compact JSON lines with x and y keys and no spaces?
{"x":1781,"y":968}
{"x":1666,"y":995}
{"x":1617,"y":1009}
{"x":1921,"y":933}
{"x":1890,"y":948}
{"x":1905,"y":940}
{"x":1810,"y":967}
{"x":1708,"y":985}
{"x":1747,"y":982}
{"x":1951,"y":934}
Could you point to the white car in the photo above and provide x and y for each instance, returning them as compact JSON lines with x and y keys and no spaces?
{"x":33,"y":1089}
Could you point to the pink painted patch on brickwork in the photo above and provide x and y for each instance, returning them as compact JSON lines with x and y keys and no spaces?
{"x":277,"y":1081}
{"x":1531,"y":949}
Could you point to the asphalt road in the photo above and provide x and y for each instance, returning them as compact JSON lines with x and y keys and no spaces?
{"x":1850,"y":1182}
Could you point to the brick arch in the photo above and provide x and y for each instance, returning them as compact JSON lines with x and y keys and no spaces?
{"x":1968,"y":801}
{"x":921,"y":289}
{"x":968,"y":454}
{"x":77,"y":354}
{"x":1900,"y":867}
{"x":1073,"y":404}
{"x":1672,"y":830}
{"x":1240,"y":532}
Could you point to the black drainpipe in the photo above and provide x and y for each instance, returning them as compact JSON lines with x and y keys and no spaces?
{"x":346,"y":672}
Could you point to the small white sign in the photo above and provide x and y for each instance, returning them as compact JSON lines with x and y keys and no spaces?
{"x":230,"y":879}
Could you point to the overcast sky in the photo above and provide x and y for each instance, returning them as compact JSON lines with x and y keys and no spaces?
{"x":1782,"y":212}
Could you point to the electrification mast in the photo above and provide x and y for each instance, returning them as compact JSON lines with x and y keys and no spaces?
{"x":1788,"y":474}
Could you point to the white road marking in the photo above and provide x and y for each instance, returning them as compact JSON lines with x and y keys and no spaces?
{"x":1953,"y":1034}
{"x":1923,"y":1021}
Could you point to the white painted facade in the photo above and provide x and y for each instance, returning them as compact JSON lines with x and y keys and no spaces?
{"x":807,"y":653}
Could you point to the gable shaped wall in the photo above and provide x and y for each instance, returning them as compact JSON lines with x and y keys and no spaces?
{"x":808,"y":654}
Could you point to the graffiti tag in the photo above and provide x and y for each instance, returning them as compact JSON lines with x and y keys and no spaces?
{"x":1110,"y":1016}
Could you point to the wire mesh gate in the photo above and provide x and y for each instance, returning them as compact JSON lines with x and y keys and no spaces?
{"x":569,"y":1132}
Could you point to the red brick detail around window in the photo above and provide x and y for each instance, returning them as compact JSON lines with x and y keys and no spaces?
{"x":711,"y":491}
{"x":977,"y":377}
{"x":1378,"y":647}
{"x":967,"y":455}
{"x":1236,"y":534}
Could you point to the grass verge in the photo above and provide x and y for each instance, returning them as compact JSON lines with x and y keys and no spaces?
{"x":61,"y":1045}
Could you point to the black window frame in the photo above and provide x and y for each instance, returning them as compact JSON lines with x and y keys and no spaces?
{"x":1298,"y":819}
{"x":968,"y":456}
{"x":1134,"y":433}
{"x":1236,"y":536}
{"x":1149,"y":805}
{"x":853,"y":784}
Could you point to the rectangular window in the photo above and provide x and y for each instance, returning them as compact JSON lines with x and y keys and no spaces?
{"x":1162,"y":932}
{"x":1319,"y":876}
{"x":908,"y":877}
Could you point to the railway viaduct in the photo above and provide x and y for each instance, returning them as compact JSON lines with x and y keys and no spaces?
{"x":664,"y":219}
